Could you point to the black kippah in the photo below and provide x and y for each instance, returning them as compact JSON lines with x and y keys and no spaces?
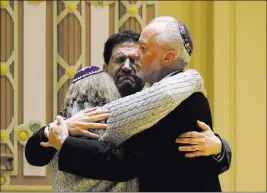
{"x":188,"y":42}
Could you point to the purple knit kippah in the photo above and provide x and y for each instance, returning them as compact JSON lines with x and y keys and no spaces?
{"x":87,"y":71}
{"x":188,"y":42}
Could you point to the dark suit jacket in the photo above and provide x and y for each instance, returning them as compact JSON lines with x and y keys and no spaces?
{"x":152,"y":155}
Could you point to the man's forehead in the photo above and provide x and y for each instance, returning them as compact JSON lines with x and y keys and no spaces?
{"x":125,"y":47}
{"x":149,"y":33}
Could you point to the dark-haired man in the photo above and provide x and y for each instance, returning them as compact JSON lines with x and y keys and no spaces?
{"x":116,"y":50}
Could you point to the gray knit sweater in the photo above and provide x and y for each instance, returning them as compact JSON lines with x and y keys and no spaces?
{"x":135,"y":113}
{"x":129,"y":116}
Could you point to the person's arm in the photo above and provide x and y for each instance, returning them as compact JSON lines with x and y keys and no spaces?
{"x":190,"y":144}
{"x":135,"y":113}
{"x":97,"y":160}
{"x":210,"y":144}
{"x":86,"y":157}
{"x":35,"y":154}
{"x":224,"y":158}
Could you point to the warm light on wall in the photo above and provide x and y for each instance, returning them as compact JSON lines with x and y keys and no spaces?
{"x":71,"y":7}
{"x":71,"y":72}
{"x":4,"y":136}
{"x":23,"y":135}
{"x":3,"y":4}
{"x":2,"y":180}
{"x":132,"y":11}
{"x":3,"y":69}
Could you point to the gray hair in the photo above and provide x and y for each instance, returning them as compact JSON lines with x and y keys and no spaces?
{"x":91,"y":91}
{"x":171,"y":36}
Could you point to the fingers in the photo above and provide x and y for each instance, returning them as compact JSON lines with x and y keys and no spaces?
{"x":45,"y":144}
{"x":54,"y":130}
{"x":195,"y":154}
{"x":93,"y":113}
{"x":89,"y":134}
{"x":60,"y":120}
{"x":93,"y":126}
{"x":53,"y":124}
{"x":89,"y":110}
{"x":99,"y":117}
{"x":191,"y":141}
{"x":203,"y":126}
{"x":192,"y":134}
{"x":46,"y":131}
{"x":191,"y":148}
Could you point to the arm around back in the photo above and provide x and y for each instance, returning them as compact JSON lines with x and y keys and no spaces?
{"x":35,"y":154}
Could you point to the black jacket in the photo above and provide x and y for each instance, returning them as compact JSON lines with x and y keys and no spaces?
{"x":152,"y":155}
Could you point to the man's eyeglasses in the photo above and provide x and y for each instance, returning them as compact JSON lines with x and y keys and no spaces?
{"x":120,"y":59}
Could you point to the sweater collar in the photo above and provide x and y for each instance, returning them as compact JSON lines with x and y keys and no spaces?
{"x":173,"y":73}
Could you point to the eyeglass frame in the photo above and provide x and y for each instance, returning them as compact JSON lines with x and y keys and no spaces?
{"x":136,"y":64}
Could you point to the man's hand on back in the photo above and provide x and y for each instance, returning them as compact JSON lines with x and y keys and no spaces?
{"x":84,"y":120}
{"x":203,"y":143}
{"x":57,"y":133}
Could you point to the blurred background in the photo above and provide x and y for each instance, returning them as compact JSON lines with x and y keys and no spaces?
{"x":44,"y":43}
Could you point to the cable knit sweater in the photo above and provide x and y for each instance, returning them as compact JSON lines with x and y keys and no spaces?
{"x":129,"y":116}
{"x":132,"y":114}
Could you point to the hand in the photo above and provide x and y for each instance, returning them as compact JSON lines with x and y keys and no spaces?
{"x":57,"y":134}
{"x":201,"y":143}
{"x":53,"y":124}
{"x":84,"y":120}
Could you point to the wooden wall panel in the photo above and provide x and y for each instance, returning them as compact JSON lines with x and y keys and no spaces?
{"x":9,"y":77}
{"x":69,"y":43}
{"x":49,"y":61}
{"x":137,"y":14}
{"x":112,"y":18}
{"x":87,"y":34}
